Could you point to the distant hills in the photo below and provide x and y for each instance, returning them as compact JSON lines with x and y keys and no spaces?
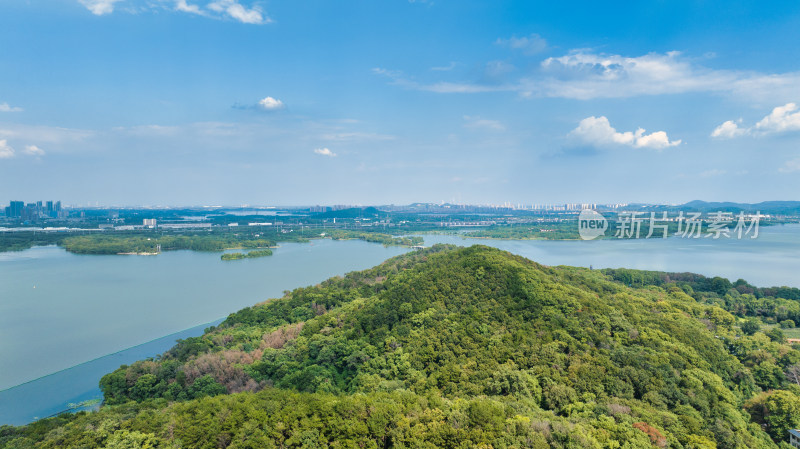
{"x":353,"y":212}
{"x":765,"y":207}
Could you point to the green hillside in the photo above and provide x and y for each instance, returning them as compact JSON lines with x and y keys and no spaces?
{"x":461,"y":347}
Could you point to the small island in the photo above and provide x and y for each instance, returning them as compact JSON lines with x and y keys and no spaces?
{"x":248,"y":255}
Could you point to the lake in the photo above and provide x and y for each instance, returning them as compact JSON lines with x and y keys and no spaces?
{"x":772,"y":259}
{"x":59,"y":310}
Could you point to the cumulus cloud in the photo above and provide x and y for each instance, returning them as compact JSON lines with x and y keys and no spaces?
{"x":99,"y":7}
{"x":270,"y":104}
{"x":597,"y":131}
{"x":782,"y":119}
{"x":790,"y":166}
{"x":236,"y":11}
{"x":728,"y":130}
{"x":481,"y":123}
{"x":5,"y":107}
{"x":324,"y":152}
{"x":33,"y":150}
{"x":5,"y":150}
{"x":529,"y":44}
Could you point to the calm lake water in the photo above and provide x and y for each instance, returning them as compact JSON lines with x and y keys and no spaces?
{"x":60,"y":310}
{"x":772,"y":259}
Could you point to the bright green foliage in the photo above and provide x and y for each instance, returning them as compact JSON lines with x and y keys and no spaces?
{"x":447,"y":347}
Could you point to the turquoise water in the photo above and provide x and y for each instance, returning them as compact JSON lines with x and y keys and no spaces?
{"x":63,"y":390}
{"x":93,"y":307}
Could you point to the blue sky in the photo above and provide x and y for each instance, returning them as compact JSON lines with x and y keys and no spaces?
{"x":165,"y":102}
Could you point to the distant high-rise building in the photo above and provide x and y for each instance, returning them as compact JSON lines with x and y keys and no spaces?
{"x":34,"y":211}
{"x":14,"y":210}
{"x":31,"y":212}
{"x":149,"y":222}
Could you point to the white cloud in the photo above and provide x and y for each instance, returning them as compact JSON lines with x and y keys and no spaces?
{"x":5,"y":107}
{"x":782,"y":119}
{"x":480,"y":123}
{"x":728,"y":130}
{"x":238,"y":12}
{"x":325,"y":152}
{"x":271,"y":104}
{"x":99,"y":7}
{"x":790,"y":166}
{"x":5,"y":150}
{"x":33,"y":150}
{"x":182,"y":5}
{"x":216,"y":9}
{"x":597,"y":131}
{"x":529,"y":45}
{"x":584,"y":74}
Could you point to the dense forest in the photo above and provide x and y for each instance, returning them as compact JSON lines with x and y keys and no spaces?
{"x":465,"y":347}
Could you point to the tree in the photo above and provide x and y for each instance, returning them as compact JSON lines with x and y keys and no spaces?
{"x":777,"y":410}
{"x":751,"y":326}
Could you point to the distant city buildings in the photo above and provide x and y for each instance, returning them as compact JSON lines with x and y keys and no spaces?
{"x":564,"y":207}
{"x":18,"y":210}
{"x":149,"y":222}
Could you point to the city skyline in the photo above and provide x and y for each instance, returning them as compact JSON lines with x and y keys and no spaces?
{"x":245,"y":102}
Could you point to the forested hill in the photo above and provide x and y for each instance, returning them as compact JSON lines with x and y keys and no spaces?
{"x":455,"y":347}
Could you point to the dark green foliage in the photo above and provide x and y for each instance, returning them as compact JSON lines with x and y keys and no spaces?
{"x":751,"y":326}
{"x":374,"y":237}
{"x":248,"y":255}
{"x":149,"y":243}
{"x":18,"y":241}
